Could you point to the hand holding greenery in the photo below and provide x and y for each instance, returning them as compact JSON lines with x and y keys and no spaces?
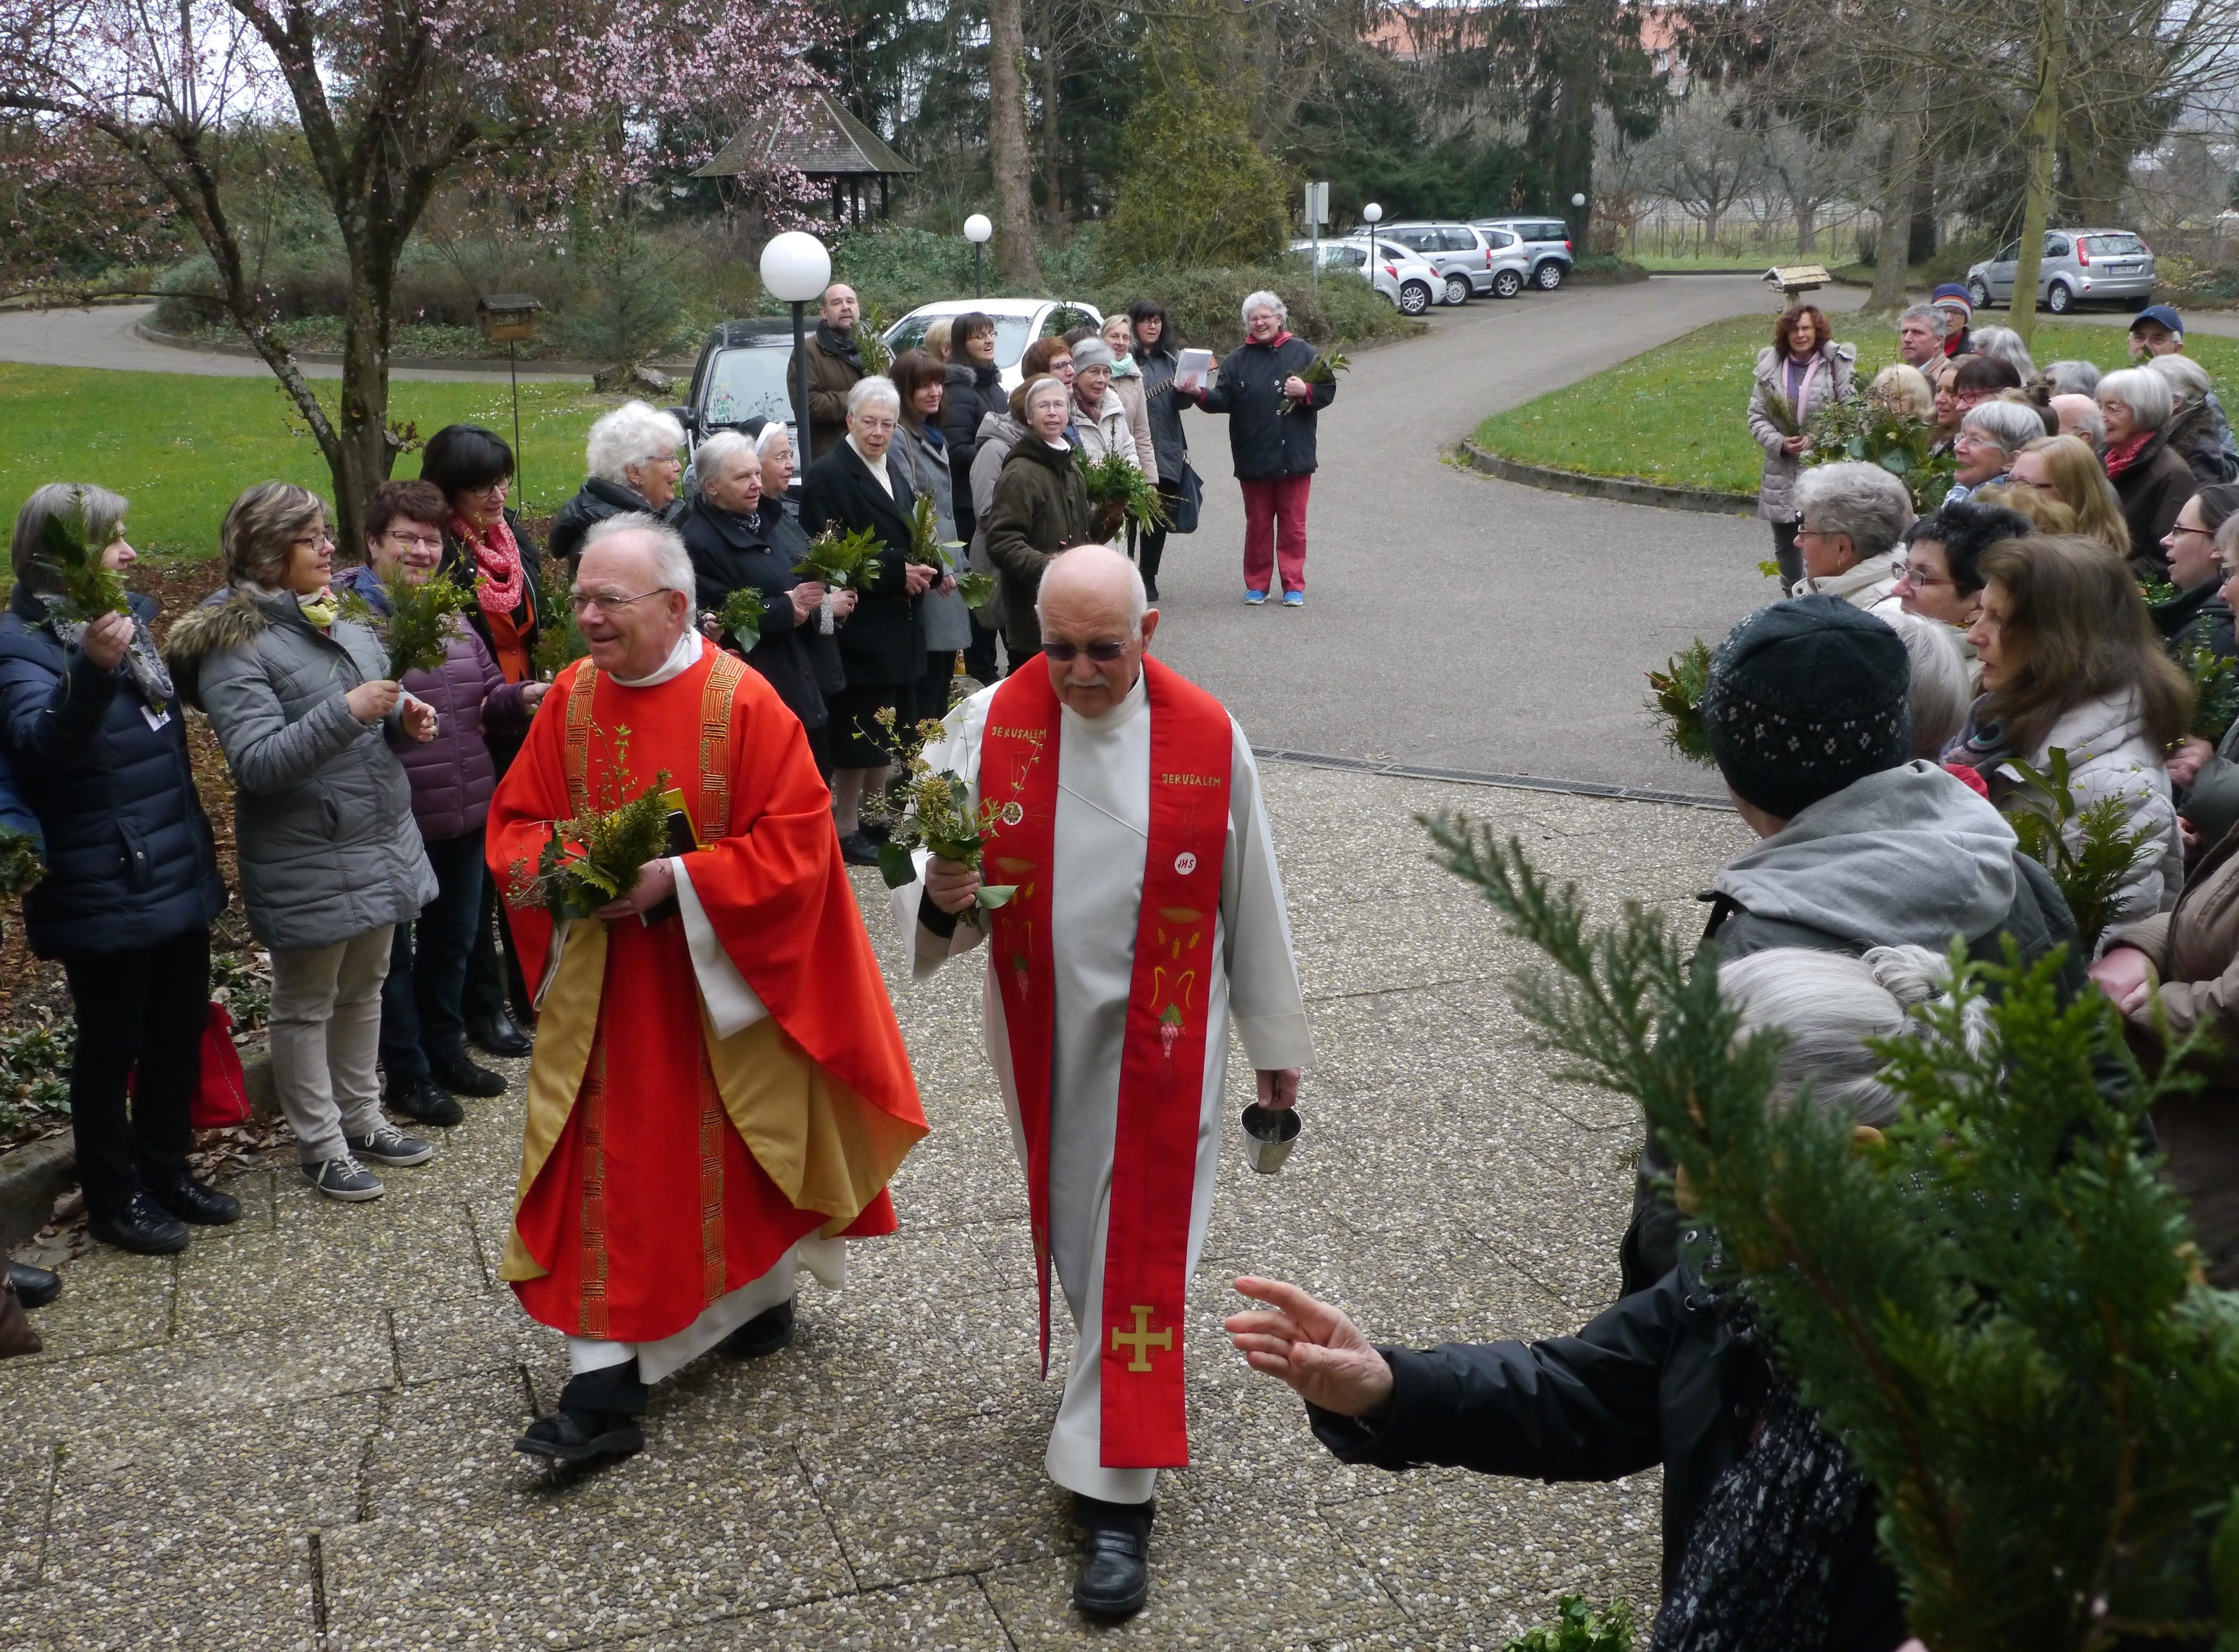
{"x":927,"y":549}
{"x":932,"y":812}
{"x":1676,"y":701}
{"x":597,"y":856}
{"x":1323,"y":369}
{"x":422,"y":619}
{"x":1780,"y":412}
{"x":741,"y":618}
{"x":90,"y":587}
{"x":1114,"y":483}
{"x":843,"y":562}
{"x":978,"y":590}
{"x":20,"y":865}
{"x":1996,"y":1309}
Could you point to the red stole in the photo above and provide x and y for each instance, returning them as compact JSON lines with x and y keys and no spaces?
{"x":1162,"y":1064}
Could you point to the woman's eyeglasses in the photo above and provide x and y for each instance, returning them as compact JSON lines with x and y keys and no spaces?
{"x":1066,"y":653}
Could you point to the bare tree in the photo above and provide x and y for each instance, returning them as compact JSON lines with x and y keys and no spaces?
{"x":1703,"y":159}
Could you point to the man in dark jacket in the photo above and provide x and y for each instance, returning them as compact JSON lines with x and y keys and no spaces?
{"x":1806,"y":713}
{"x":1271,"y":411}
{"x":835,"y":364}
{"x":1040,"y":509}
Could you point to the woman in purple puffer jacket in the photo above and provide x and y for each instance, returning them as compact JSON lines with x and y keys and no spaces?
{"x":423,"y":1052}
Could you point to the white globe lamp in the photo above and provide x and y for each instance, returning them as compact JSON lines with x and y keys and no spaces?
{"x":979,"y":231}
{"x":795,"y":270}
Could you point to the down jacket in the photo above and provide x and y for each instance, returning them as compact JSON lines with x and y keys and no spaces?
{"x":1040,"y":508}
{"x":1108,"y":432}
{"x":1263,"y":441}
{"x":1826,"y":380}
{"x":453,"y":774}
{"x":130,"y":862}
{"x":322,"y":812}
{"x":974,"y":391}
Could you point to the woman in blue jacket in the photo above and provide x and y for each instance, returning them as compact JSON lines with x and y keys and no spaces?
{"x":99,"y":745}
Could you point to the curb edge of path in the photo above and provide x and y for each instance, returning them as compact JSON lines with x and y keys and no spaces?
{"x":31,"y":1179}
{"x":1621,"y":490}
{"x":1483,"y":777}
{"x":547,"y":367}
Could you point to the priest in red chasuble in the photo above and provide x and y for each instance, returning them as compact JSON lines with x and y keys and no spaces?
{"x":719,"y":1093}
{"x":1147,"y":913}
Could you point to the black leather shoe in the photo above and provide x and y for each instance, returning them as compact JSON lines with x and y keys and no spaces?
{"x":858,"y":850}
{"x":424,"y":1101}
{"x":143,"y":1227}
{"x":596,"y":1418}
{"x":35,"y":1287}
{"x":196,"y":1201}
{"x":461,"y":1077}
{"x":498,"y":1035}
{"x":765,"y":1333}
{"x":1115,"y":1574}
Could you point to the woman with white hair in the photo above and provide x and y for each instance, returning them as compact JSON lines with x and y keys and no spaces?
{"x":1991,"y":434}
{"x":1941,"y":687}
{"x":632,"y":459}
{"x":2072,"y":378}
{"x":2193,"y":432}
{"x":730,"y":544}
{"x":2151,"y":479}
{"x":1272,"y":446}
{"x":854,"y":487}
{"x":1849,"y":517}
{"x":2004,"y":344}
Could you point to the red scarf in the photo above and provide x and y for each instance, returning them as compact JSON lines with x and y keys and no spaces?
{"x":497,"y":559}
{"x":2124,"y":455}
{"x":1163,"y":1053}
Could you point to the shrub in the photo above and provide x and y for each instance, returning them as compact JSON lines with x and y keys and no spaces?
{"x":1197,"y":188}
{"x":1203,"y":305}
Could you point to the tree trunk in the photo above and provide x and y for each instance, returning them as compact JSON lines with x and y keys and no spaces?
{"x":1006,"y":142}
{"x":1052,"y":140}
{"x":1807,"y":227}
{"x":2040,"y":146}
{"x":1898,"y":188}
{"x":363,"y":453}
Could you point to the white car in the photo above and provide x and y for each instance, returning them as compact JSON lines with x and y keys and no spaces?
{"x":1411,"y":286}
{"x":1019,"y":322}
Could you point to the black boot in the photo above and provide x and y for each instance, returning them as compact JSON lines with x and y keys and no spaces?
{"x":1115,"y":1561}
{"x":596,"y":1418}
{"x":496,"y":1034}
{"x":198,"y":1203}
{"x":424,"y":1101}
{"x":35,"y":1287}
{"x":765,"y":1333}
{"x":142,"y":1227}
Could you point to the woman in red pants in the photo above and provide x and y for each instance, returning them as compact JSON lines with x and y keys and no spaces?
{"x":1274,"y":448}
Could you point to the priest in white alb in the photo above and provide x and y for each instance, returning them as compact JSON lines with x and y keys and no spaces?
{"x":1147,"y":913}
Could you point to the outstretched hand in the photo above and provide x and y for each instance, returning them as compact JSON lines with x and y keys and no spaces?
{"x":1311,"y":1346}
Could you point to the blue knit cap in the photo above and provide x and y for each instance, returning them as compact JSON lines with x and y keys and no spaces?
{"x":1804,"y":698}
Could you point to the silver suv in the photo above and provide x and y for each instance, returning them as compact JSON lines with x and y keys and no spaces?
{"x":1472,"y":261}
{"x":2079,"y":264}
{"x":1546,"y":245}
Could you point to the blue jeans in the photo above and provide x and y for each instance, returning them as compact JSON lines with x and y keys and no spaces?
{"x":420,"y":1018}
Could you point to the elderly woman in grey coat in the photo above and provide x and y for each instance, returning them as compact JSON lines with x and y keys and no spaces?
{"x":300,"y":697}
{"x":1850,"y":518}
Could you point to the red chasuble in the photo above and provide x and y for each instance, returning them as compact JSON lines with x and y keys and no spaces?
{"x":1162,"y":1067}
{"x":665,"y":1167}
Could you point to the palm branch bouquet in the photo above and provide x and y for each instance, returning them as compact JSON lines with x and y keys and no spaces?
{"x":560,"y":635}
{"x":927,"y":549}
{"x":597,"y":856}
{"x":1676,"y":701}
{"x":877,"y":358}
{"x":20,"y":865}
{"x":841,"y":561}
{"x":90,"y":587}
{"x":1121,"y":490}
{"x":422,"y":619}
{"x":1323,"y":369}
{"x":1780,"y":413}
{"x":741,"y":618}
{"x":978,"y":590}
{"x":1861,"y":428}
{"x":2090,"y":848}
{"x":930,"y":810}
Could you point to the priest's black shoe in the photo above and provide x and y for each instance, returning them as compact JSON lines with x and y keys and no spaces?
{"x":597,"y":1418}
{"x":198,"y":1203}
{"x":35,"y":1287}
{"x":1115,"y":1562}
{"x":498,"y":1036}
{"x":765,"y":1333}
{"x":142,"y":1227}
{"x":461,"y":1077}
{"x":424,"y":1100}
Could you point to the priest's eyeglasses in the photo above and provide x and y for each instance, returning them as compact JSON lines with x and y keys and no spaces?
{"x":605,"y":601}
{"x":1102,"y":653}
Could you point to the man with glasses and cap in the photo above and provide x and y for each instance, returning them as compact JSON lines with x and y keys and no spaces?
{"x":1139,"y":910}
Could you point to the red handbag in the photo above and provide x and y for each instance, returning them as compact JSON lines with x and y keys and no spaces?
{"x":221,"y":1099}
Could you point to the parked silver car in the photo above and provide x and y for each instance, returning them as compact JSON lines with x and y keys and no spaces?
{"x":1401,"y":275}
{"x":1546,"y":245}
{"x":1471,"y":260}
{"x":2079,"y":265}
{"x":1019,"y":322}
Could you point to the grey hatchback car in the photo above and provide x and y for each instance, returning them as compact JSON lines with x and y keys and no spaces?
{"x":2079,"y":265}
{"x":1472,"y":261}
{"x":1546,"y":243}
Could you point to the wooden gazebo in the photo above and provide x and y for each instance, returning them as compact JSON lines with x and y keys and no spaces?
{"x":826,"y":144}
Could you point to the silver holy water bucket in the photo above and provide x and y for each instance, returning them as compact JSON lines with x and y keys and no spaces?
{"x":1269,"y":1136}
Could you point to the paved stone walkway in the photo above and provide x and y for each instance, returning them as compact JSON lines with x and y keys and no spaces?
{"x":298,"y":1434}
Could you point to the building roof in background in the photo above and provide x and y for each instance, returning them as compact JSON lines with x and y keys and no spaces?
{"x":826,"y":142}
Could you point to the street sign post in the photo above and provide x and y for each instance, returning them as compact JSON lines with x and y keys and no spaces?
{"x":1317,"y":216}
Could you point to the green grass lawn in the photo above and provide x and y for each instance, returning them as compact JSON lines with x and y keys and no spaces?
{"x":1674,"y":415}
{"x":180,"y":447}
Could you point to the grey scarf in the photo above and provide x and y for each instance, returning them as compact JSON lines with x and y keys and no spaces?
{"x":141,"y":659}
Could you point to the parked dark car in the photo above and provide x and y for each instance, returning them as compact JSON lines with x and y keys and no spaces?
{"x":743,"y":373}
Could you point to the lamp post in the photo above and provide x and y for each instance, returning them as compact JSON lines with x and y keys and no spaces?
{"x":977,"y":231}
{"x":796,"y":270}
{"x":1372,"y":214}
{"x":1579,"y":217}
